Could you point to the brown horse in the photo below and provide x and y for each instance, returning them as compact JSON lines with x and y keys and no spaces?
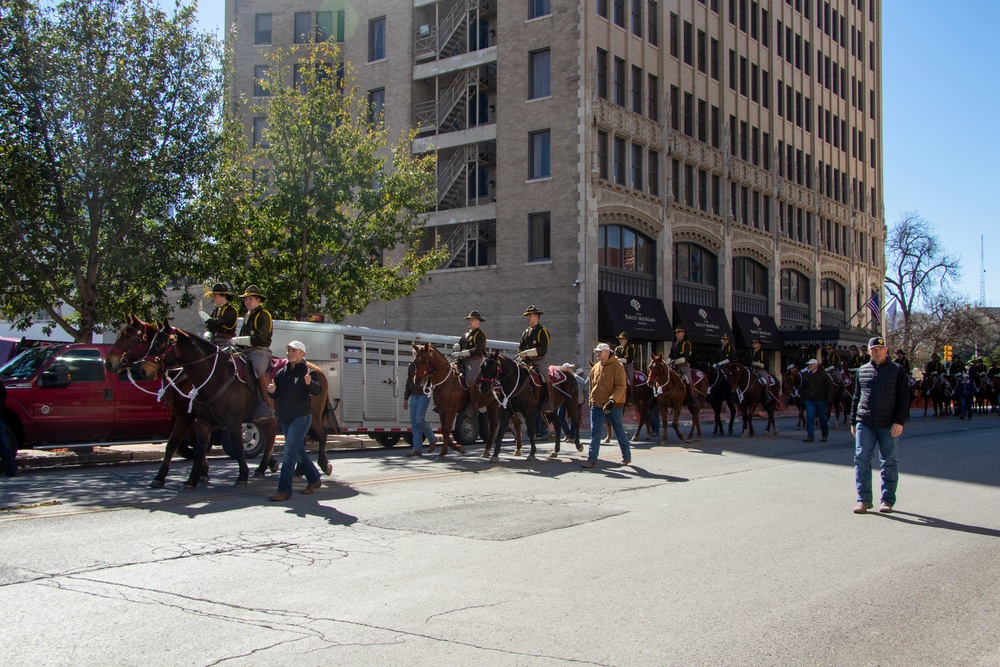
{"x":642,"y":395}
{"x":750,"y":393}
{"x":670,"y":391}
{"x":791,"y":385}
{"x":220,"y":397}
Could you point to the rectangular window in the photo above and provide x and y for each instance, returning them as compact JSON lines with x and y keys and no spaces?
{"x":654,"y":173}
{"x":755,"y":146}
{"x":675,"y":103}
{"x":765,"y":85}
{"x":703,"y":190}
{"x":636,"y":90}
{"x":602,"y":8}
{"x":744,"y":140}
{"x":767,"y":213}
{"x":764,"y":28}
{"x":781,"y":100}
{"x":619,"y":82}
{"x":637,"y":163}
{"x":259,"y":126}
{"x":733,"y":145}
{"x":675,"y":179}
{"x":688,"y":46}
{"x":754,"y":83}
{"x":539,"y":226}
{"x":539,"y":160}
{"x":637,"y":17}
{"x":753,"y":20}
{"x":602,"y":154}
{"x":653,"y":16}
{"x":324,"y":26}
{"x":653,"y":97}
{"x":376,"y":106}
{"x":715,"y":59}
{"x":537,"y":8}
{"x":539,"y":76}
{"x":716,"y":195}
{"x":619,"y":161}
{"x":259,"y":81}
{"x":689,"y":114}
{"x":303,"y":27}
{"x":602,"y":73}
{"x":781,"y":44}
{"x":619,"y":13}
{"x":689,"y":185}
{"x":702,"y":121}
{"x":262,"y":29}
{"x":765,"y":150}
{"x":743,"y":76}
{"x":341,"y":13}
{"x":732,"y":69}
{"x":674,"y":34}
{"x":702,"y":46}
{"x":376,"y":39}
{"x":715,"y":127}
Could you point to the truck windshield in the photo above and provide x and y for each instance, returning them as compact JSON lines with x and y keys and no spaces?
{"x":24,"y":365}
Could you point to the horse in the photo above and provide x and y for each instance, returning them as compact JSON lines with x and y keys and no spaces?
{"x":841,"y":397}
{"x":510,"y":383}
{"x":670,"y":391}
{"x":791,"y":383}
{"x":935,"y":392}
{"x":719,"y":393}
{"x":642,"y":396}
{"x":229,"y":401}
{"x":751,"y":393}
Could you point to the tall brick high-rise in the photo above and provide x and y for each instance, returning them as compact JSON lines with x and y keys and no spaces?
{"x":625,"y":164}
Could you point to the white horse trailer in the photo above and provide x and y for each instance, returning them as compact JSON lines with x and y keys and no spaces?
{"x":366,"y":369}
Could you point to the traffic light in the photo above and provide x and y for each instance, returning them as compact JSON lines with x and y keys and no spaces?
{"x":947,"y":352}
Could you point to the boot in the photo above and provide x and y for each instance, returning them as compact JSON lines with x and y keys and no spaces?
{"x":691,"y":399}
{"x":265,"y":406}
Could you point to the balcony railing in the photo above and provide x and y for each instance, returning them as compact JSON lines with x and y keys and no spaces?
{"x":744,"y":302}
{"x":794,"y":315}
{"x":699,"y":295}
{"x":833,"y":319}
{"x":625,"y":282}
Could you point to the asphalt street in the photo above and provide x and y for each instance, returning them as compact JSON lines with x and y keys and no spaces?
{"x":729,"y":552}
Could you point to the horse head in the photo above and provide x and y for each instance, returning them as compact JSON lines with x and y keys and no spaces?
{"x":735,"y":371}
{"x":156,"y":356}
{"x":791,"y":380}
{"x":133,"y":341}
{"x":659,"y":372}
{"x":424,"y":362}
{"x":489,"y":371}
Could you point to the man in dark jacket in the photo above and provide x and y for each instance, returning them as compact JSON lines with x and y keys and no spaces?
{"x":878,"y":413}
{"x":293,"y":388}
{"x":817,"y":386}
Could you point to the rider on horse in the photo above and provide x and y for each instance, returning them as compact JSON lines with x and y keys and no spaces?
{"x":626,"y":355}
{"x":854,"y":362}
{"x":680,"y":357}
{"x":865,"y":357}
{"x":472,"y":346}
{"x":758,"y":360}
{"x":534,"y":345}
{"x":725,"y":353}
{"x":934,"y":367}
{"x":221,"y":324}
{"x":903,"y":361}
{"x":256,"y":334}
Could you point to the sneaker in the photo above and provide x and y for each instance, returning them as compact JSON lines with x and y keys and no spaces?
{"x":625,"y":462}
{"x":808,"y":439}
{"x":281,"y":497}
{"x":862,"y":507}
{"x":885,"y":508}
{"x":312,"y":488}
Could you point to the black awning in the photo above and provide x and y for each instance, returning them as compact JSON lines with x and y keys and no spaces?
{"x":750,"y":326}
{"x":702,"y":324}
{"x":839,"y":338}
{"x":644,"y":318}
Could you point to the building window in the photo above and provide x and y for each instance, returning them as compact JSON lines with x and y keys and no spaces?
{"x":749,"y":277}
{"x":654,"y":173}
{"x":262,"y":29}
{"x":260,"y":81}
{"x":470,"y":244}
{"x":653,"y":98}
{"x":715,"y":59}
{"x":637,"y":162}
{"x":324,"y":26}
{"x":689,"y":114}
{"x":653,"y":17}
{"x":619,"y":82}
{"x":539,"y":163}
{"x":539,"y":74}
{"x":636,"y":90}
{"x":538,"y":237}
{"x":619,"y":160}
{"x":694,"y":264}
{"x":637,"y":17}
{"x":602,"y":154}
{"x":259,"y":127}
{"x":832,"y":295}
{"x":602,"y":73}
{"x":702,"y":49}
{"x":624,"y":248}
{"x":602,"y":8}
{"x":619,"y":13}
{"x":376,"y":104}
{"x":376,"y":39}
{"x":703,"y":190}
{"x":303,"y":27}
{"x":688,"y":47}
{"x":538,"y":8}
{"x":674,"y":31}
{"x":689,"y":185}
{"x":794,"y":287}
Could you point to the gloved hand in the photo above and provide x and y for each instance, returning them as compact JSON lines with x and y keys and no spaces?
{"x":205,"y":317}
{"x":609,"y":406}
{"x":528,"y":354}
{"x":680,"y":360}
{"x":757,"y":364}
{"x":207,"y":335}
{"x":463,"y":354}
{"x":241,"y":341}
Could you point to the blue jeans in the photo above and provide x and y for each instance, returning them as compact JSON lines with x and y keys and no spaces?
{"x":418,"y":421}
{"x":966,"y":404}
{"x":295,"y":453}
{"x":866,"y":441}
{"x":7,"y":454}
{"x":816,"y":409}
{"x":597,"y":432}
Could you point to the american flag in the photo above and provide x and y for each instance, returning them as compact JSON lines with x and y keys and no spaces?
{"x":872,"y":305}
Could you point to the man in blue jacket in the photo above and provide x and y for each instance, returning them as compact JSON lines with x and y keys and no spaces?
{"x":880,"y":408}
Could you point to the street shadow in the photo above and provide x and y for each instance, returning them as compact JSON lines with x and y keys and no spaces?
{"x":934,"y":522}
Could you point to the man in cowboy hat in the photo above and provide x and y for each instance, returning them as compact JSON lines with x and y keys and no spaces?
{"x":472,"y":347}
{"x":626,"y":355}
{"x":934,"y":366}
{"x":256,"y":334}
{"x":534,"y":344}
{"x":221,"y":324}
{"x":680,"y":355}
{"x":865,"y":357}
{"x":903,"y":361}
{"x":726,"y":351}
{"x":758,"y":361}
{"x":854,"y":361}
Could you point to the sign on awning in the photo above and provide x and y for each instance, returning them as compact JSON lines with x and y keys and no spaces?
{"x":749,"y":326}
{"x":702,"y":324}
{"x":643,"y":318}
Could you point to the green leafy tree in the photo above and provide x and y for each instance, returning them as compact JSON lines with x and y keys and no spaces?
{"x":106,"y":115}
{"x":327,"y":218}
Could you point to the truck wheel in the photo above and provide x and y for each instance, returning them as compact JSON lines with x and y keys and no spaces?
{"x":253,"y":444}
{"x":386,"y":439}
{"x":466,"y":429}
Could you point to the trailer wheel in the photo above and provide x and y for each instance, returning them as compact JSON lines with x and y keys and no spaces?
{"x":387,"y":440}
{"x":466,"y":429}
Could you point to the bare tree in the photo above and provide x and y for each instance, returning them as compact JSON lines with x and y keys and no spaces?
{"x":919,"y":272}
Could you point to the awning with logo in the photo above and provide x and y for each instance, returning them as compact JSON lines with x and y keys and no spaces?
{"x":702,"y":324}
{"x":749,"y":326}
{"x":841,"y":339}
{"x":644,"y":318}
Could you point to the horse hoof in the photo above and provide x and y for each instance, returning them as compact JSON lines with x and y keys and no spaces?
{"x":240,"y":484}
{"x":204,"y":479}
{"x":554,"y":455}
{"x":494,"y":459}
{"x":189,"y":487}
{"x":156,"y":484}
{"x":328,"y":469}
{"x":579,"y":447}
{"x":458,"y":448}
{"x":273,"y":467}
{"x":531,"y":457}
{"x":257,"y":474}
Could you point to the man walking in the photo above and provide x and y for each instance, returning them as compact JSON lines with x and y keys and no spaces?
{"x":417,"y":402}
{"x":607,"y":396}
{"x":293,"y":388}
{"x":817,"y":386}
{"x":878,"y":413}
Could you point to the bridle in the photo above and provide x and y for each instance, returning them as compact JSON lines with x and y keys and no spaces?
{"x":425,"y":377}
{"x":161,"y":361}
{"x":496,"y":384}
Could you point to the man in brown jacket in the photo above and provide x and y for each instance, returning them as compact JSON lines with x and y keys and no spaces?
{"x":607,"y":397}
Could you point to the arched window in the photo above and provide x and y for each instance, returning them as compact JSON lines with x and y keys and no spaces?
{"x":696,"y":275}
{"x":749,"y":286}
{"x":627,"y":261}
{"x":795,"y":311}
{"x":833,"y":295}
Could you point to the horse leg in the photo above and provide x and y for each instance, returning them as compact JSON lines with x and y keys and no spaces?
{"x":491,"y":418}
{"x":677,"y":422}
{"x":503,"y":419}
{"x":557,"y":431}
{"x":529,"y":419}
{"x":203,"y":432}
{"x":321,"y":434}
{"x":664,"y":423}
{"x":182,"y":424}
{"x":515,"y":425}
{"x":642,"y":416}
{"x":267,"y":431}
{"x":575,"y":423}
{"x":695,"y":423}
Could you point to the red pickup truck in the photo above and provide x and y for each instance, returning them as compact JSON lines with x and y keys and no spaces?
{"x":62,"y":396}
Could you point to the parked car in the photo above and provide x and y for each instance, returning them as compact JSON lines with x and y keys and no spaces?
{"x":62,"y":396}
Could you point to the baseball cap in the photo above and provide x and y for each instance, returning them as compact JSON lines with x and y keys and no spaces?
{"x":602,"y":347}
{"x":811,"y":362}
{"x":296,"y":345}
{"x":876,"y":341}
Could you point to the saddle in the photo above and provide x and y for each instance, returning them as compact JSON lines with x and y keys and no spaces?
{"x":244,"y":369}
{"x":555,"y":374}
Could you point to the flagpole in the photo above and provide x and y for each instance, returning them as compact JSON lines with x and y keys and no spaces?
{"x":881,"y":305}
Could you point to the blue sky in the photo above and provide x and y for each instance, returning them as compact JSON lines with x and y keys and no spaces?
{"x":938,"y":126}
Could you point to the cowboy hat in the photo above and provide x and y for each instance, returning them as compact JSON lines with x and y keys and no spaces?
{"x":532,"y":311}
{"x":252,"y":290}
{"x":218,"y":288}
{"x":474,"y":315}
{"x":624,"y":335}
